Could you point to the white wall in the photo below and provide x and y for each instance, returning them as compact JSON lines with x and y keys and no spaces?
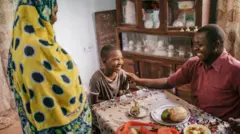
{"x":101,"y":5}
{"x":75,"y":31}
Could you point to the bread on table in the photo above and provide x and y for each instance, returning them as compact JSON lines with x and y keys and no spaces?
{"x":175,"y":114}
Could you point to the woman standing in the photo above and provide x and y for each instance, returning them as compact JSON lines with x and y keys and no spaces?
{"x":43,"y":76}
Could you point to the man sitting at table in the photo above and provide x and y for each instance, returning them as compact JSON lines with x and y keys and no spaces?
{"x":111,"y":81}
{"x":214,"y":75}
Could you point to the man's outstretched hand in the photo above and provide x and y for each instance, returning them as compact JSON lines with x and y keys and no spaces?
{"x":132,"y":78}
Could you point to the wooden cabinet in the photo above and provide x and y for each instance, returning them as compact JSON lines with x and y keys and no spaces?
{"x":154,"y":69}
{"x":163,"y":15}
{"x":131,"y":66}
{"x":155,"y":35}
{"x":127,"y":13}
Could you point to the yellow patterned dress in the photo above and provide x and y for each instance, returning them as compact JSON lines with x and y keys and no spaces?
{"x":43,"y":77}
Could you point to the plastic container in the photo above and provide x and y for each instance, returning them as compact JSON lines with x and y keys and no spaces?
{"x":133,"y":127}
{"x":185,"y":4}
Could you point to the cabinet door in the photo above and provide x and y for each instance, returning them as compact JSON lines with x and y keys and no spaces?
{"x":127,"y":13}
{"x":187,"y":15}
{"x":130,"y":66}
{"x":154,"y":70}
{"x":152,"y":14}
{"x":185,"y":92}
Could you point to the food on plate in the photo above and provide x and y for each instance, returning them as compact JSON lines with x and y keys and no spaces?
{"x":175,"y":114}
{"x":161,"y":130}
{"x":134,"y":131}
{"x":135,"y":109}
{"x":197,"y":129}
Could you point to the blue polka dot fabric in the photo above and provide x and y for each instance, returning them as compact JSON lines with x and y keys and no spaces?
{"x":43,"y":76}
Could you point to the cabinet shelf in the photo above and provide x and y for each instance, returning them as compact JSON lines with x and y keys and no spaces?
{"x":154,"y":31}
{"x":151,"y":57}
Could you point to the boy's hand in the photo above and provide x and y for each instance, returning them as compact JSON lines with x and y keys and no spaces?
{"x":132,"y":77}
{"x":235,"y":124}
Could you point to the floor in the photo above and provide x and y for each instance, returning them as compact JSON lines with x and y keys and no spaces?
{"x":15,"y":128}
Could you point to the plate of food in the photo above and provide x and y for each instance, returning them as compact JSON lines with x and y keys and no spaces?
{"x":196,"y":129}
{"x":170,"y":115}
{"x":137,"y":111}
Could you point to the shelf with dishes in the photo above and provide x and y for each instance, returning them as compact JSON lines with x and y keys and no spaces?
{"x":175,"y":48}
{"x":163,"y":15}
{"x":174,"y":31}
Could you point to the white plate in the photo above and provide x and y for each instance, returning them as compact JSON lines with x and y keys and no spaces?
{"x":143,"y":112}
{"x":197,"y":125}
{"x":157,"y":112}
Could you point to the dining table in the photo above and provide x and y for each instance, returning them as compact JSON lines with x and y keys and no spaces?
{"x":109,"y":115}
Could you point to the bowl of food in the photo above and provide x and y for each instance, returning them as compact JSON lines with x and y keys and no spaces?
{"x":196,"y":129}
{"x":170,"y":114}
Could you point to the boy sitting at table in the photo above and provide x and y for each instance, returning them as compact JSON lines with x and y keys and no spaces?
{"x":110,"y":81}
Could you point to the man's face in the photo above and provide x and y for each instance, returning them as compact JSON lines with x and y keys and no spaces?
{"x":201,"y":46}
{"x":114,"y":61}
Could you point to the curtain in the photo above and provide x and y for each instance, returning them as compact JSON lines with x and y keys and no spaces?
{"x":7,"y":106}
{"x":228,"y":18}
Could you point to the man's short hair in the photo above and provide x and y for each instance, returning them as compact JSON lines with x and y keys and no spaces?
{"x":213,"y":33}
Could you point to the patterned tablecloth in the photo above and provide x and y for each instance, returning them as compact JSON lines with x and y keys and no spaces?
{"x":109,"y":115}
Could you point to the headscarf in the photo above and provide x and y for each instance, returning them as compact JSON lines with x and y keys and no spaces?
{"x":44,"y":75}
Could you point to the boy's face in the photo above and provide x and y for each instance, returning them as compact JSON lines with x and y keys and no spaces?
{"x":114,"y":61}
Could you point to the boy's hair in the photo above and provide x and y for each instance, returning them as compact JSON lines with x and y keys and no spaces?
{"x":106,"y":50}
